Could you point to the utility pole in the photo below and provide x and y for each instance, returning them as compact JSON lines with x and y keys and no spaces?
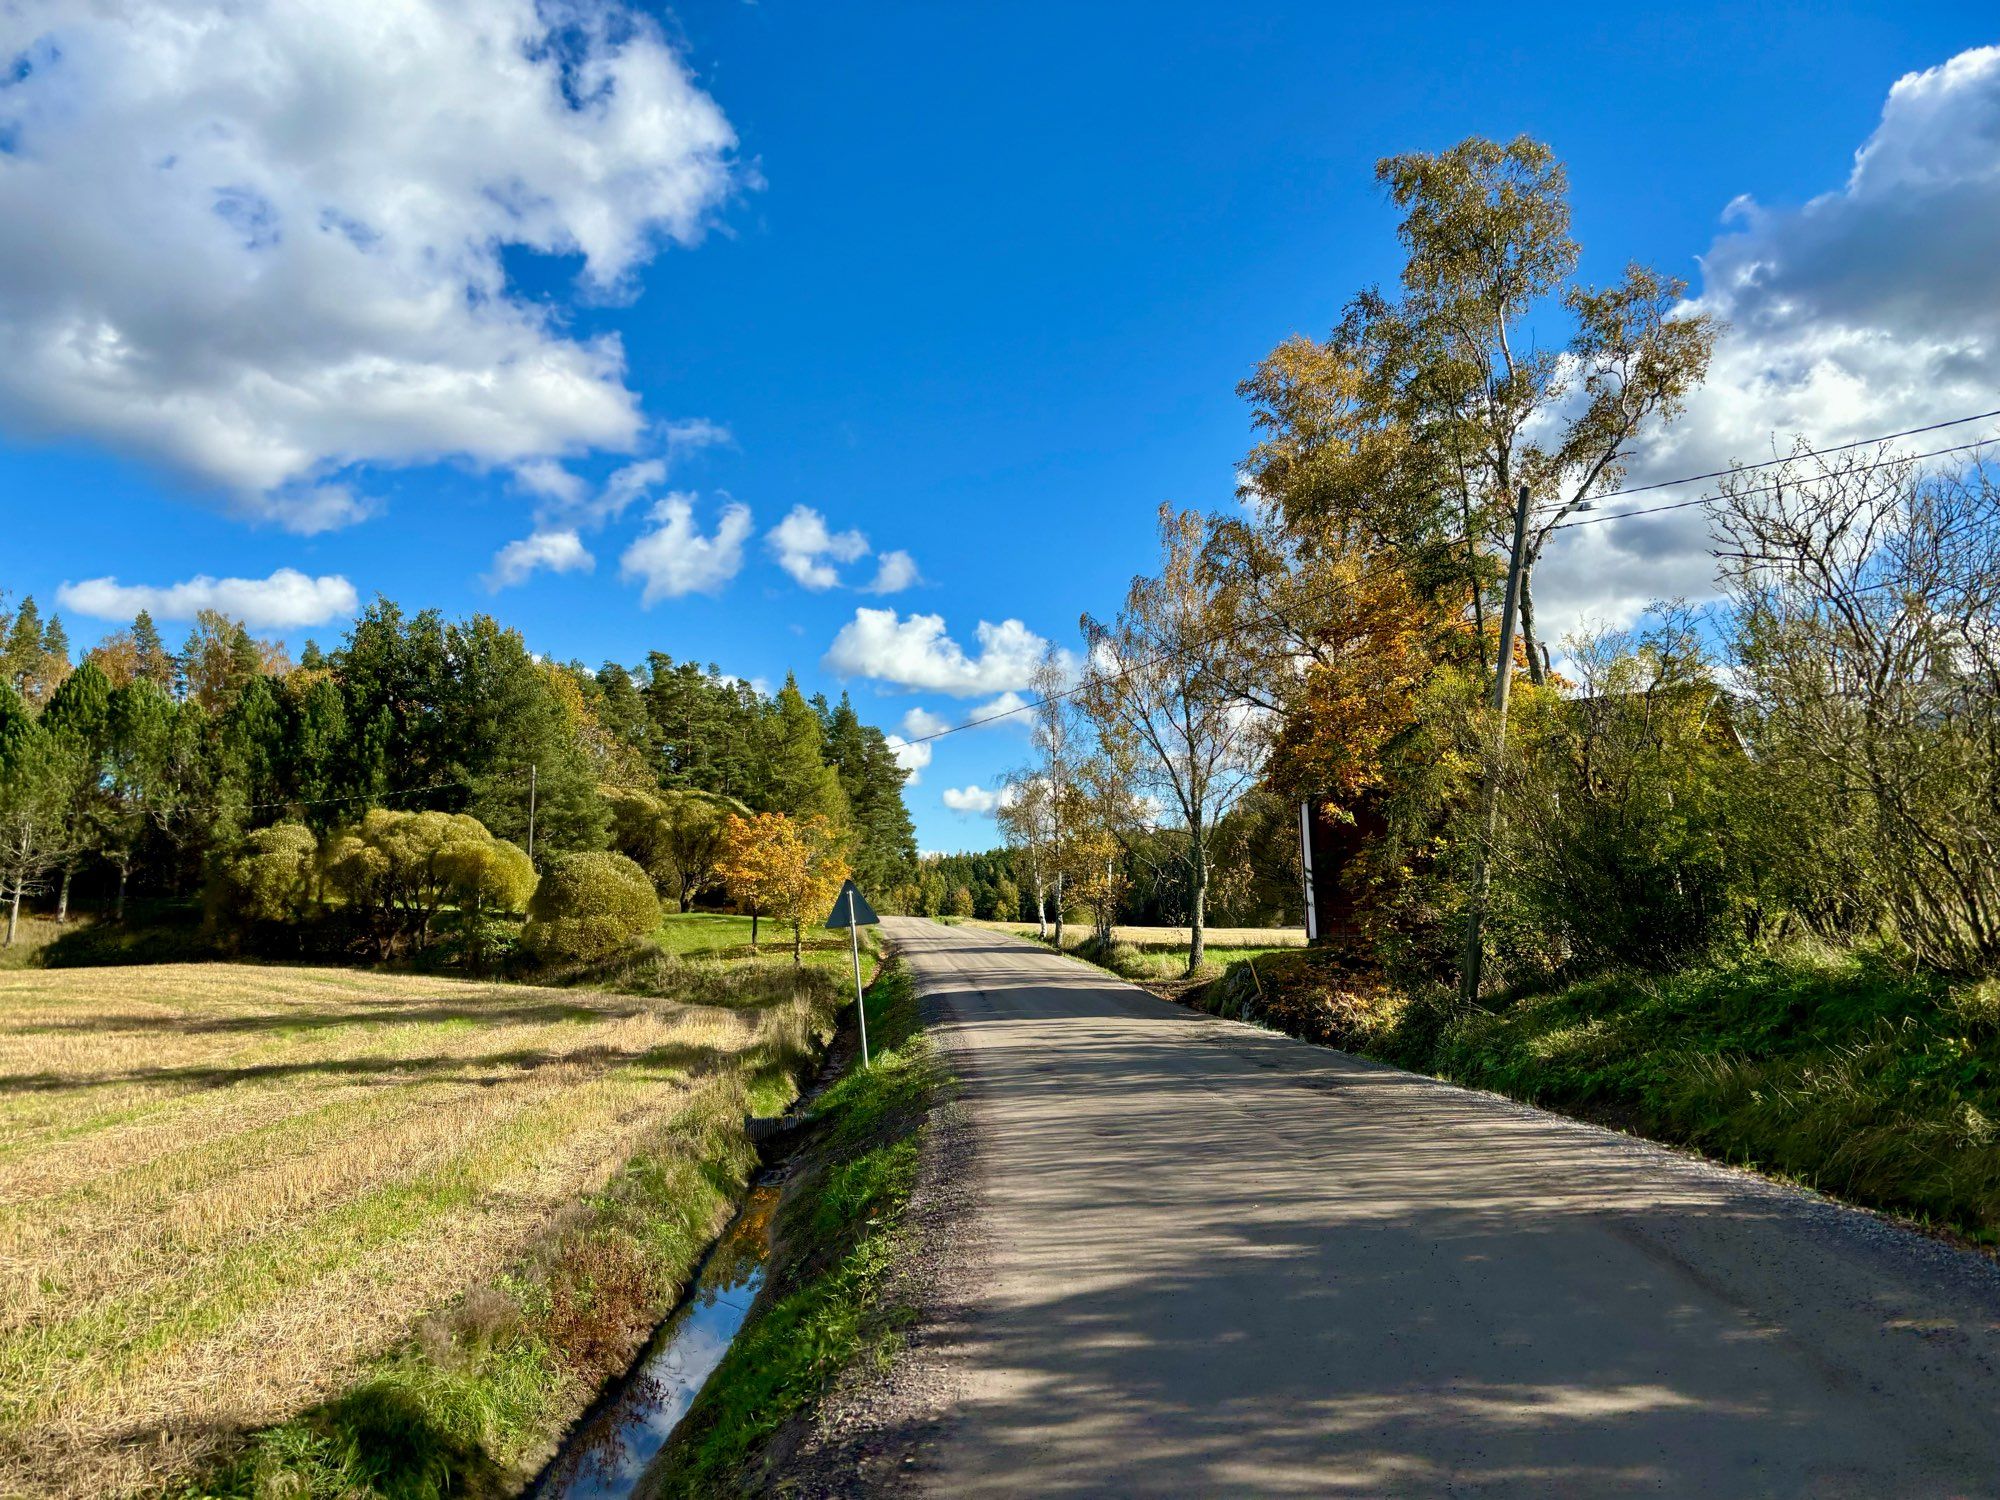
{"x":534,"y":776}
{"x":1474,"y":957}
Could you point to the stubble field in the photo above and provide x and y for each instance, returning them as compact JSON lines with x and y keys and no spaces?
{"x":225,"y":1188}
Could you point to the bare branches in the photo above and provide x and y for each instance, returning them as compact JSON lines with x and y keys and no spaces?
{"x":1867,"y":596}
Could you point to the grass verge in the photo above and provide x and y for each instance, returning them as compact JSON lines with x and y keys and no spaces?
{"x":1843,"y":1071}
{"x":1157,"y":960}
{"x":836,"y":1240}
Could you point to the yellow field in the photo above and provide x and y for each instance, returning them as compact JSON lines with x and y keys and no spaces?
{"x":224,"y":1187}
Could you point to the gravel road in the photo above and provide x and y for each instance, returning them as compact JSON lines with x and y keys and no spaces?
{"x":1173,"y":1255}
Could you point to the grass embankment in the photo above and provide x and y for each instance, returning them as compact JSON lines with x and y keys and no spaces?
{"x":1158,"y":954}
{"x":321,"y":1232}
{"x":835,"y":1241}
{"x":1843,"y":1071}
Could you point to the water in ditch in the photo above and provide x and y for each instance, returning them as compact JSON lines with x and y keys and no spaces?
{"x":605,"y":1458}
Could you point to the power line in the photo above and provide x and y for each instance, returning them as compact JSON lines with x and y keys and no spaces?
{"x":1765,"y":489}
{"x":1769,"y":463}
{"x":1101,"y":677}
{"x":1588,"y":520}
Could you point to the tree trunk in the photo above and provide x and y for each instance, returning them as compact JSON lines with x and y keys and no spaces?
{"x":118,"y":910}
{"x":798,"y":945}
{"x":62,"y":900}
{"x":1198,"y":881}
{"x":1537,"y":673}
{"x":1059,"y":912}
{"x":753,"y":932}
{"x":1041,"y":910}
{"x":13,"y":914}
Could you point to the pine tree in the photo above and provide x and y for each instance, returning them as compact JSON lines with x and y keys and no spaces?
{"x":800,"y":783}
{"x":155,"y":665}
{"x":21,"y":656}
{"x":885,"y":841}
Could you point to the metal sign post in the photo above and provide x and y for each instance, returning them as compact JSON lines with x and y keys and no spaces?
{"x":853,"y":913}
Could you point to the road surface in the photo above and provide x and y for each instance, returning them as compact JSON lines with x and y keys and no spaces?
{"x":1204,"y":1259}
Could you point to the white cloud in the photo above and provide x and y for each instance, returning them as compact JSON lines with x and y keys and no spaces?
{"x":1869,"y":309}
{"x":287,"y":600}
{"x":674,"y":558}
{"x":551,"y":481}
{"x":557,"y":551}
{"x":911,"y":757}
{"x":1008,"y":708}
{"x":975,"y":801}
{"x":257,"y":242}
{"x":623,"y":487}
{"x":801,"y":543}
{"x":692,"y":434}
{"x":916,"y":653}
{"x":920,"y":722}
{"x":894,"y":572}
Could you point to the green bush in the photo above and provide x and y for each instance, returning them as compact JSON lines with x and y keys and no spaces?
{"x":1120,"y":958}
{"x":272,"y":878}
{"x":589,"y":906}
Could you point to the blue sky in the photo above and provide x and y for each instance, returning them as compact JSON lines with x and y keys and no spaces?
{"x":977,"y":283}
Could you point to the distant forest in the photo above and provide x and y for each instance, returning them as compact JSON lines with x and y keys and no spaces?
{"x":149,"y":764}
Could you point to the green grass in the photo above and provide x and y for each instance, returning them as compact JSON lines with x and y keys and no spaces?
{"x":702,"y":935}
{"x":1847,"y":1072}
{"x":1146,"y":961}
{"x":837,"y":1238}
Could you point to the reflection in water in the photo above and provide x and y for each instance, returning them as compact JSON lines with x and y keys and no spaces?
{"x":605,"y":1458}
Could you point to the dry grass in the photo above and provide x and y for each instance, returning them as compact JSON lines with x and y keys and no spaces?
{"x":1147,"y":939}
{"x":224,"y":1188}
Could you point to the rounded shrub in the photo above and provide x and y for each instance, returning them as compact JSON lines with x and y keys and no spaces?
{"x":589,"y":906}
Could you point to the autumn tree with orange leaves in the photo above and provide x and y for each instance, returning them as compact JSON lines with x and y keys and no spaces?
{"x":783,"y":867}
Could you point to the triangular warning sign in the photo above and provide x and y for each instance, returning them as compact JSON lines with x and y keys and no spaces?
{"x":850,"y":908}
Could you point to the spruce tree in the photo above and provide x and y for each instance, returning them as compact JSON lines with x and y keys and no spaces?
{"x":800,"y":782}
{"x":155,"y":665}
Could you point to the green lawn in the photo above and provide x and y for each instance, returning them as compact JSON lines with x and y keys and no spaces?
{"x":699,"y":935}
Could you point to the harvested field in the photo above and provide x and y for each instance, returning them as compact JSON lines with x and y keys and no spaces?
{"x":225,"y":1188}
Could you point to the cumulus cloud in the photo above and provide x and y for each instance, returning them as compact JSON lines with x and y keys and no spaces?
{"x":287,"y":600}
{"x":919,"y":722}
{"x":555,"y":551}
{"x":676,"y":558}
{"x":916,"y":653}
{"x":894,"y":572}
{"x":1871,"y":308}
{"x":258,"y":243}
{"x":911,"y":757}
{"x":807,"y":550}
{"x":973,"y":800}
{"x":1008,"y":708}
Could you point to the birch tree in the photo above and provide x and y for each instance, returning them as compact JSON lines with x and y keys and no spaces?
{"x":1158,"y":680}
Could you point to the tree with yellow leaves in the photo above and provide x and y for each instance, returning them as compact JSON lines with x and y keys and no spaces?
{"x":783,"y":867}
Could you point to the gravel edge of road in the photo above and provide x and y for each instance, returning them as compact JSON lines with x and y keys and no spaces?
{"x":872,"y":1431}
